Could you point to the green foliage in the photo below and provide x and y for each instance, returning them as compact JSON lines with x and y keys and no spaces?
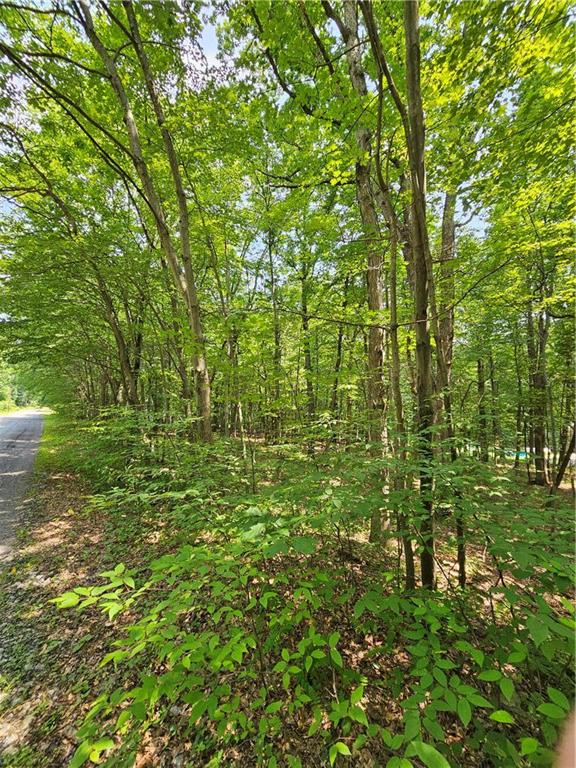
{"x":244,"y":246}
{"x":245,"y":628}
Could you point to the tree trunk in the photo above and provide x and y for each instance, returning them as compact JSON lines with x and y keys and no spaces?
{"x":334,"y":399}
{"x":445,"y":340}
{"x":494,"y":407}
{"x":482,"y":418}
{"x":308,"y":373}
{"x":277,"y":355}
{"x":420,"y":259}
{"x":348,"y":27}
{"x":401,"y":437}
{"x":537,"y":367}
{"x":564,"y":463}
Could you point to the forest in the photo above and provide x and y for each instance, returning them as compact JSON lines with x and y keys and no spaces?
{"x":293,"y":282}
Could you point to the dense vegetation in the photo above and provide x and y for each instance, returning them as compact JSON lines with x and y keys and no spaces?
{"x":302,"y":273}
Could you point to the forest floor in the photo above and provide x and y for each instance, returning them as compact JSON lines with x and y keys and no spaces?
{"x":50,"y":659}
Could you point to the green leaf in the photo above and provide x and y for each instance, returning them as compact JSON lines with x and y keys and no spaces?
{"x":336,"y":657}
{"x":507,"y":688}
{"x":552,"y":710}
{"x":440,"y":676}
{"x":528,"y":745}
{"x":357,"y":694}
{"x":114,"y":609}
{"x":450,"y":699}
{"x":479,"y":701}
{"x":280,"y":546}
{"x":67,"y":600}
{"x":81,"y":755}
{"x":501,"y":716}
{"x":304,"y":544}
{"x":517,"y":657}
{"x":98,"y":747}
{"x":411,"y":726}
{"x":357,"y":713}
{"x":433,"y":728}
{"x":464,"y":711}
{"x":538,"y":631}
{"x":333,"y":639}
{"x":338,"y":749}
{"x":429,"y":755}
{"x":490,"y":675}
{"x":558,"y":698}
{"x":426,"y":680}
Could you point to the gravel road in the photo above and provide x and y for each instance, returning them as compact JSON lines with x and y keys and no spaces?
{"x":19,"y":437}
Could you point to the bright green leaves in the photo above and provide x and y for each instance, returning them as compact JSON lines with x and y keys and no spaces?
{"x":90,"y":751}
{"x":501,"y":716}
{"x":490,"y":675}
{"x":507,"y":688}
{"x":81,"y":755}
{"x":336,"y":657}
{"x":399,"y":762}
{"x":557,"y":708}
{"x":528,"y":745}
{"x":553,"y":711}
{"x":334,"y":652}
{"x":339,"y":748}
{"x":110,"y":596}
{"x":558,"y":698}
{"x":464,"y":711}
{"x":67,"y":600}
{"x":356,"y":695}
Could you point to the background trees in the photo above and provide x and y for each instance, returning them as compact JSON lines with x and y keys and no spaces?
{"x":268,"y":239}
{"x":318,"y":293}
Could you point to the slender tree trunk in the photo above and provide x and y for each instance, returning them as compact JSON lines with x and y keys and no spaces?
{"x":520,"y":402}
{"x":536,"y":343}
{"x":445,"y":340}
{"x":334,"y":399}
{"x":277,"y":355}
{"x":445,"y":353}
{"x":482,"y":417}
{"x":554,"y":457}
{"x":564,"y":462}
{"x":401,"y":437}
{"x":308,"y":372}
{"x":421,"y":260}
{"x":494,"y":407}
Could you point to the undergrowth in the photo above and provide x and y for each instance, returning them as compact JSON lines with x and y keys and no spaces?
{"x":271,"y":633}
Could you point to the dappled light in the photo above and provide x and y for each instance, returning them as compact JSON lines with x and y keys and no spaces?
{"x":287,"y":414}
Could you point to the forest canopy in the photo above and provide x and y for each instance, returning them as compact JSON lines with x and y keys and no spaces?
{"x":313,"y":260}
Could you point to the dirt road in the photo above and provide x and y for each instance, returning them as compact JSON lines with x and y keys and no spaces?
{"x":19,"y":437}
